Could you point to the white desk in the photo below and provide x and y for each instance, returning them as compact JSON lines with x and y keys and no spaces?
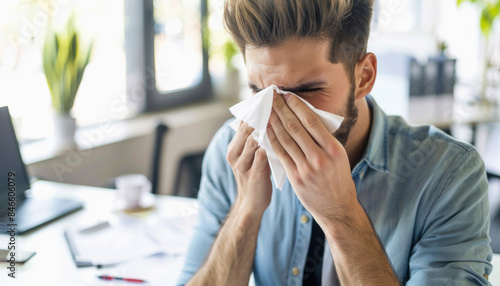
{"x":53,"y":264}
{"x":495,"y":275}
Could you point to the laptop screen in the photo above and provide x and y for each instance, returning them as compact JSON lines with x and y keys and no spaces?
{"x":10,"y":160}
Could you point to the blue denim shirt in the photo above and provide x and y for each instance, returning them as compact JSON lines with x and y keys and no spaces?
{"x":425,"y":193}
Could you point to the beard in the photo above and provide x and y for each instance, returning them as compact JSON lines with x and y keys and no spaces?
{"x":350,"y":117}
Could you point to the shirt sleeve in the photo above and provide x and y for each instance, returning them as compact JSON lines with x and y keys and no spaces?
{"x":454,"y":245}
{"x":214,"y":198}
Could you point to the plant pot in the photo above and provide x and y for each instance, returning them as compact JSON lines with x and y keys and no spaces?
{"x":64,"y":130}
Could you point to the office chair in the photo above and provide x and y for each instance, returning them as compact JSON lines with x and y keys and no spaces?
{"x":160,"y":131}
{"x":187,"y":183}
{"x":188,"y":175}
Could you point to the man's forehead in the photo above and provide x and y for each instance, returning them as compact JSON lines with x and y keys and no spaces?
{"x":293,"y":64}
{"x":292,"y":46}
{"x":294,"y":77}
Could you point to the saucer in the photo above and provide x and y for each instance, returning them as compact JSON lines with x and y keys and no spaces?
{"x":147,"y":201}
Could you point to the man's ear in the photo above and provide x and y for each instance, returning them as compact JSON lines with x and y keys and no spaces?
{"x":365,"y":74}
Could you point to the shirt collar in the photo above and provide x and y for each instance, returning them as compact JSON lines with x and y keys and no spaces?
{"x":376,"y":153}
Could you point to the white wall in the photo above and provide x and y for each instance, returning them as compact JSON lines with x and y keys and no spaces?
{"x":128,"y":148}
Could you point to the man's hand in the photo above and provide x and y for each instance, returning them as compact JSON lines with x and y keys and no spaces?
{"x":318,"y":169}
{"x":315,"y":162}
{"x":231,"y":257}
{"x":251,"y":170}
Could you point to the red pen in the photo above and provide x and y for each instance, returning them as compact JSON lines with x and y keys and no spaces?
{"x":107,"y":277}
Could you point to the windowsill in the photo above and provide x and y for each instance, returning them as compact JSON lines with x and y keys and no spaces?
{"x":112,"y":132}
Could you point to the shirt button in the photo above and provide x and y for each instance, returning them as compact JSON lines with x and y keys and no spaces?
{"x":295,"y":271}
{"x":304,"y":218}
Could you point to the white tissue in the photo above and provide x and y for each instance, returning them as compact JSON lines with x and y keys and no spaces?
{"x":256,"y":112}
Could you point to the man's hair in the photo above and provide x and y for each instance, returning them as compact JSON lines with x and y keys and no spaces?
{"x":267,"y":23}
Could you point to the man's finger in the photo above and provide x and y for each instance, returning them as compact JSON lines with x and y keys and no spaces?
{"x":282,"y":154}
{"x":236,"y":146}
{"x":260,"y":161}
{"x":247,"y":155}
{"x":310,"y":121}
{"x":293,"y":126}
{"x":286,"y":141}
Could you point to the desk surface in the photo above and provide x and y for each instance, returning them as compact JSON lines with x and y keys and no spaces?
{"x":53,"y":264}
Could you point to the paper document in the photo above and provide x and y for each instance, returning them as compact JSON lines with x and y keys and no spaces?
{"x":114,"y":244}
{"x":130,"y":239}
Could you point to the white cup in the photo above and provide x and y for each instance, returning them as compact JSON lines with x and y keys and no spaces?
{"x":131,"y":189}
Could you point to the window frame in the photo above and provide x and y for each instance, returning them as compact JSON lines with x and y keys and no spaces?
{"x":158,"y":100}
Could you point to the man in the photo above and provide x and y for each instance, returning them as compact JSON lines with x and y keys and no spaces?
{"x":378,"y":203}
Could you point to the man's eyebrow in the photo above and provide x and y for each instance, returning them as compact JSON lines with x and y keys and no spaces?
{"x":306,"y":86}
{"x":301,"y":87}
{"x":254,"y":87}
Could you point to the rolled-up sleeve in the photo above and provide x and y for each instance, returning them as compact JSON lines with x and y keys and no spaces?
{"x":215,"y":196}
{"x":453,"y":248}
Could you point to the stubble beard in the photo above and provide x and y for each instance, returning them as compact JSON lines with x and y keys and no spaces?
{"x":350,"y":118}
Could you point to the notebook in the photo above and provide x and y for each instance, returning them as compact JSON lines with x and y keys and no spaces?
{"x":17,"y":209}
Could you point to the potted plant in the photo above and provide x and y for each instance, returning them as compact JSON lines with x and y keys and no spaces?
{"x":490,"y":12}
{"x":232,"y":78}
{"x":64,"y":61}
{"x":222,"y":51}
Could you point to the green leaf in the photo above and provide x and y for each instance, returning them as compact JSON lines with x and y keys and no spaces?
{"x":62,"y":54}
{"x":84,"y":56}
{"x":73,"y":50}
{"x":493,"y":10}
{"x":49,"y":55}
{"x":64,"y":62}
{"x":55,"y":43}
{"x":471,"y":1}
{"x":66,"y":98}
{"x":486,"y":24}
{"x":230,"y":50}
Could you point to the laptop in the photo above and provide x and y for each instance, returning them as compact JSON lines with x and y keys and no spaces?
{"x":28,"y":212}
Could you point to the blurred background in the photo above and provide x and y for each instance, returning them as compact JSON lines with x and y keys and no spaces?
{"x":160,"y":75}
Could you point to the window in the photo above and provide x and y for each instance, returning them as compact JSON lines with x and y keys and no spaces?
{"x":176,"y":59}
{"x":23,"y":27}
{"x":417,"y":27}
{"x":177,"y":44}
{"x":399,"y":16}
{"x":147,"y":53}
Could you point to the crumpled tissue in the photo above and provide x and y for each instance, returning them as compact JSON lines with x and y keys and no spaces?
{"x":256,"y":111}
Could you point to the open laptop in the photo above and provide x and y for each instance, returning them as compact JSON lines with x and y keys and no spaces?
{"x":29,"y":212}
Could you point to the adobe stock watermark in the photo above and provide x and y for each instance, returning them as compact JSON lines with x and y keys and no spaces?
{"x":74,"y":156}
{"x":407,"y":165}
{"x":38,"y":22}
{"x":385,"y":16}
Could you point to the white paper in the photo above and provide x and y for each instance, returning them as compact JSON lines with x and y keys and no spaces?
{"x":115,"y":244}
{"x":256,"y":111}
{"x":131,"y":238}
